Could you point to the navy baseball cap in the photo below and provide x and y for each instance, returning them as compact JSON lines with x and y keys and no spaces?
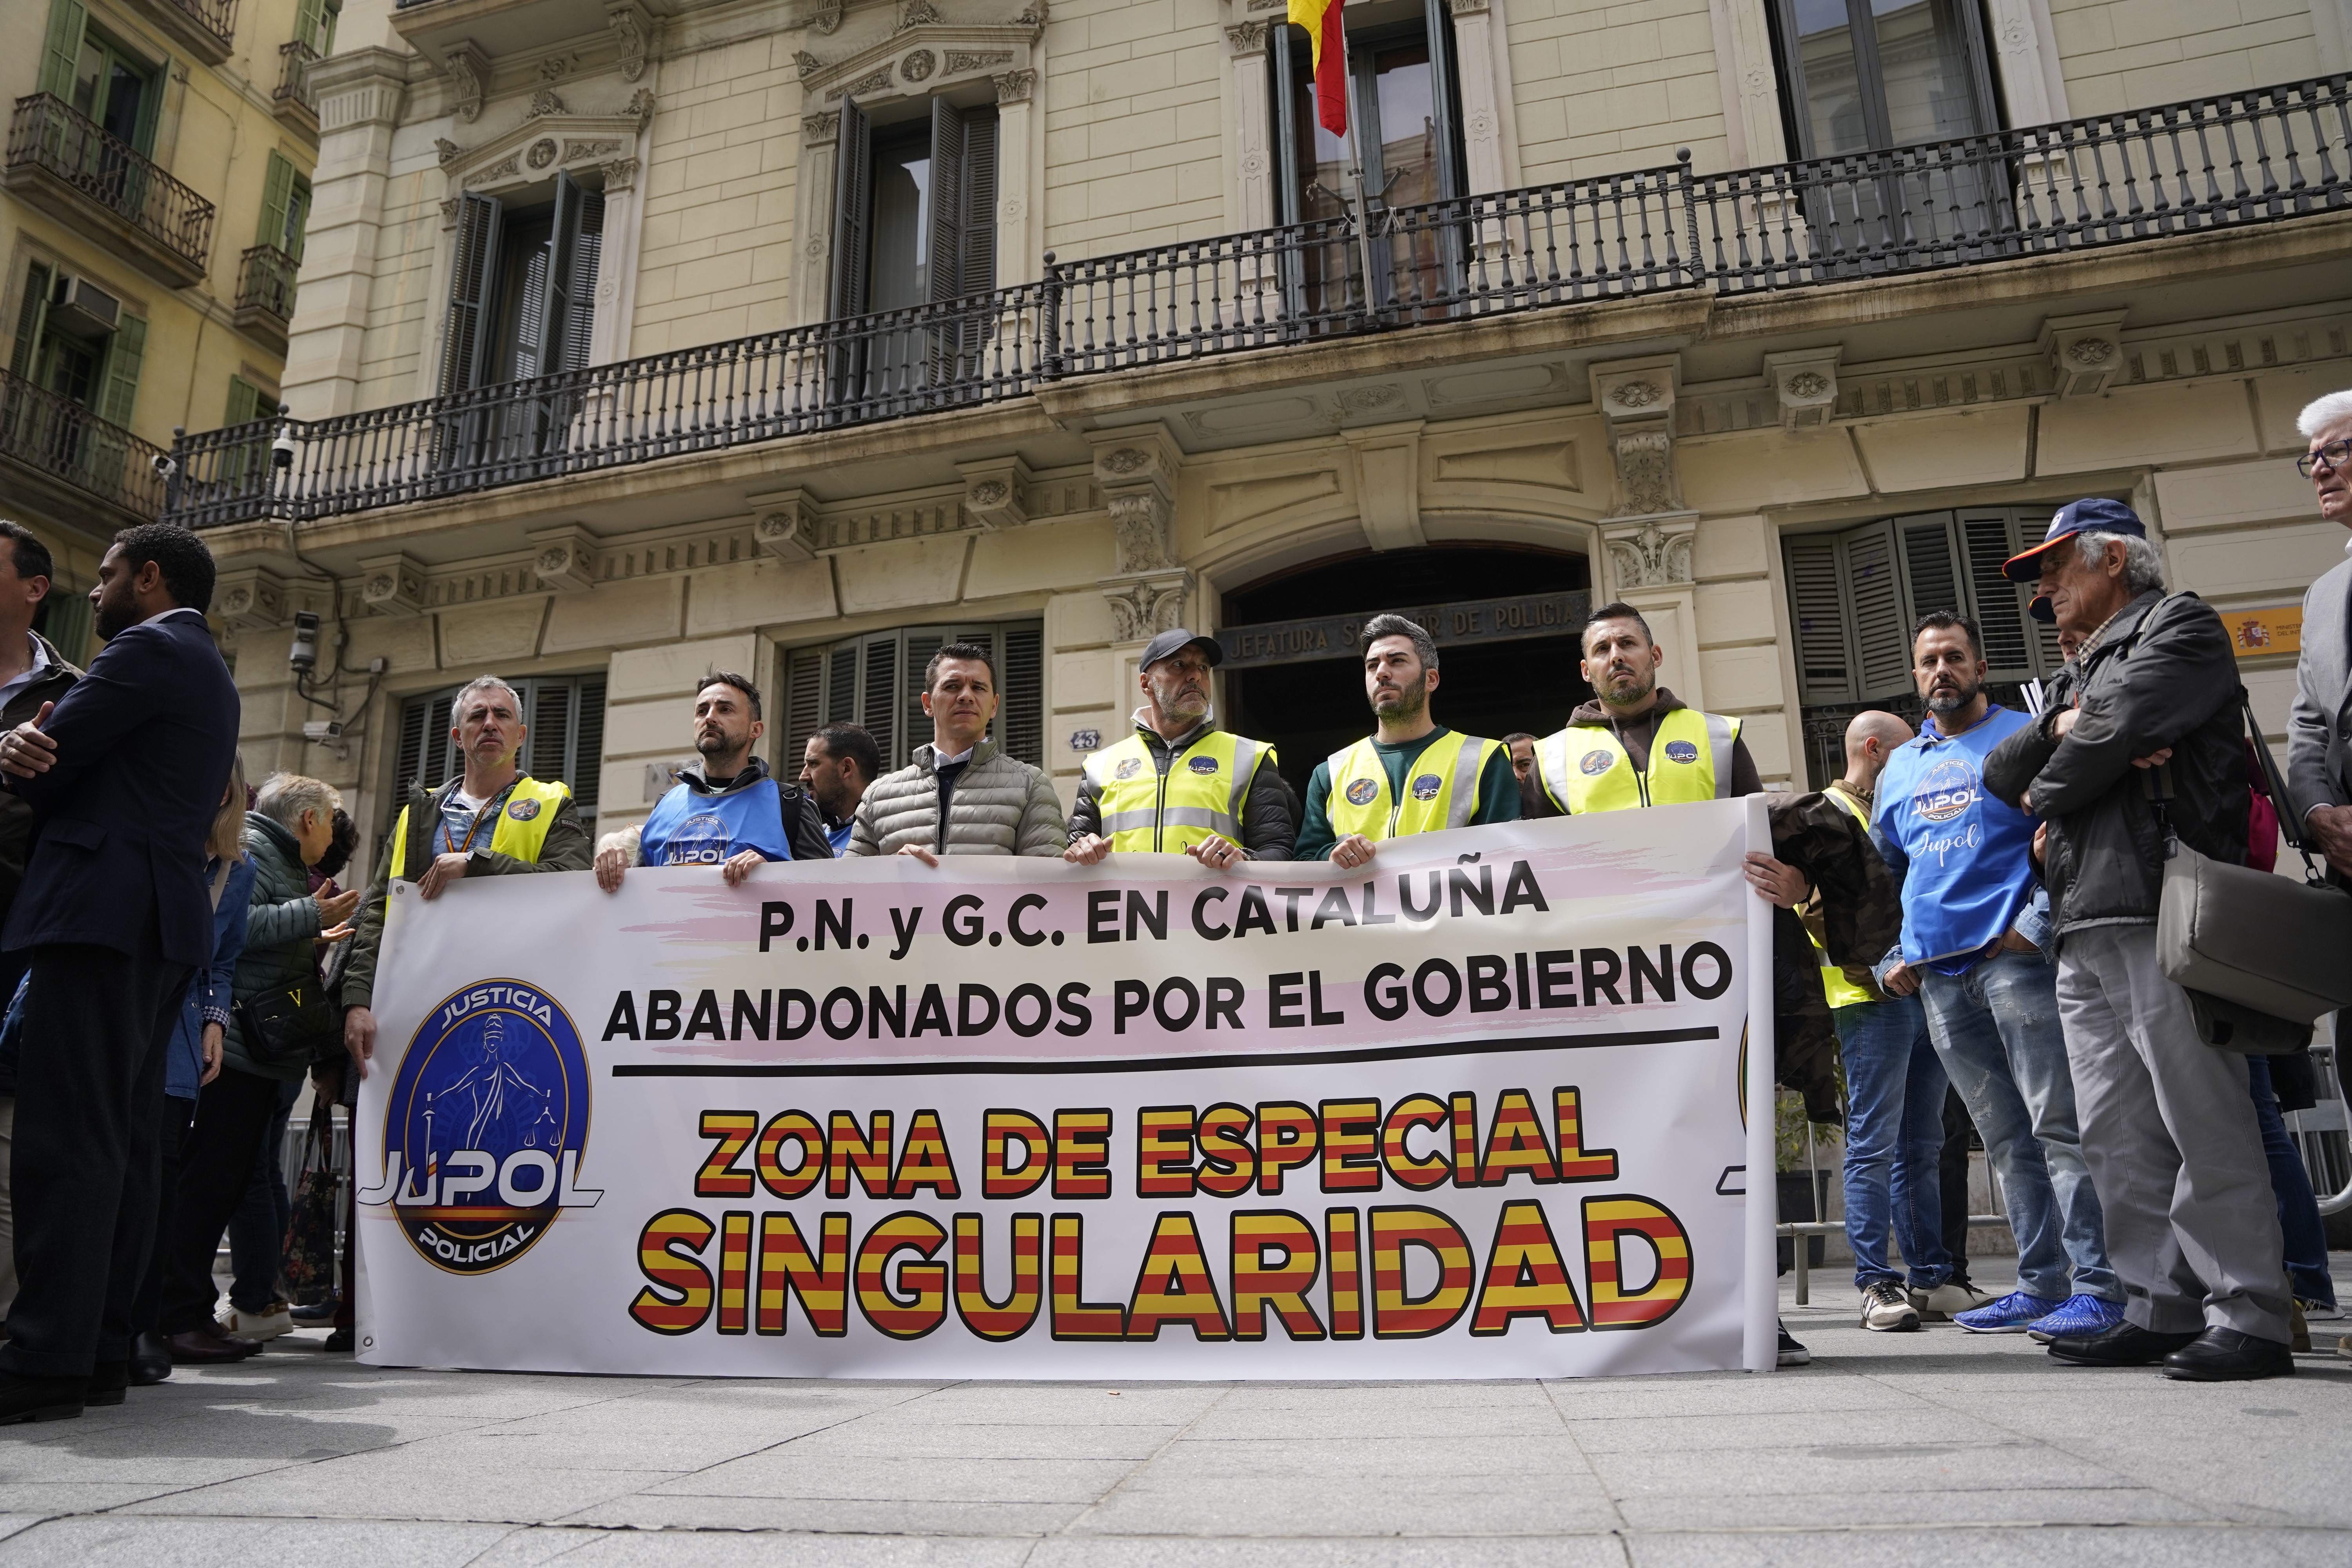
{"x":1170,"y":643}
{"x":2092,"y":514}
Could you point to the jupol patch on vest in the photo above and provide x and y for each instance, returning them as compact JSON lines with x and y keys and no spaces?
{"x":1203,"y":764}
{"x":522,"y":810}
{"x":1681,"y":751}
{"x":1596,"y":761}
{"x":1426,"y":786}
{"x":1128,"y":768}
{"x":1363,"y":792}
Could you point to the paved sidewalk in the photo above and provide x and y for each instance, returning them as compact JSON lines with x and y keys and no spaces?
{"x":1935,"y":1447}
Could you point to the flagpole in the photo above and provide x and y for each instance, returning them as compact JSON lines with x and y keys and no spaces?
{"x":1355,"y":161}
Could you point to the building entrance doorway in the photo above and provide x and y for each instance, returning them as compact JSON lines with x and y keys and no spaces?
{"x":1507,"y":644}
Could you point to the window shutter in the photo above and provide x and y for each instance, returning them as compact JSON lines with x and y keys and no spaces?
{"x":31,"y":311}
{"x":1020,"y":713}
{"x":61,"y":50}
{"x":277,"y":202}
{"x":121,"y":394}
{"x":554,"y":286}
{"x":804,"y":705}
{"x":474,"y":266}
{"x":587,"y":250}
{"x":946,"y":277}
{"x":298,"y":217}
{"x":878,"y":698}
{"x":853,"y":208}
{"x":1824,"y":656}
{"x":551,"y":713}
{"x":916,"y":726}
{"x":1286,"y":182}
{"x":309,"y":22}
{"x":587,"y":780}
{"x":977,"y":264}
{"x":66,"y":621}
{"x":1999,"y":603}
{"x":840,"y":684}
{"x":1437,"y":23}
{"x":1882,"y":640}
{"x":244,"y":402}
{"x":1932,"y":575}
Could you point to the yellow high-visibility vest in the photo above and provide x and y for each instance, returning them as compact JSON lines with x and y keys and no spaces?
{"x":1147,"y":812}
{"x":522,"y":826}
{"x":1442,"y":790}
{"x":1842,"y":991}
{"x":1585,"y":768}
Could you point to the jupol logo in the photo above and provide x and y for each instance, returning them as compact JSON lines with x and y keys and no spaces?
{"x":1681,"y":751}
{"x":486,"y":1126}
{"x":1127,"y":768}
{"x":702,"y":839}
{"x":1202,"y":764}
{"x":522,"y":810}
{"x":1597,"y":762}
{"x":1426,"y":786}
{"x":1362,"y":791}
{"x":1949,"y":789}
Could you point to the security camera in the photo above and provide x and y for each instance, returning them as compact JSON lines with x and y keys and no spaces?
{"x":302,"y":658}
{"x":281,"y":451}
{"x":322,"y":732}
{"x":163,"y":465}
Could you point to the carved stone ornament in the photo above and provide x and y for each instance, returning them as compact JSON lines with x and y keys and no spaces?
{"x":566,"y":563}
{"x":1467,"y":7}
{"x":393,"y":585}
{"x":1014,"y":86}
{"x":1268,"y":4}
{"x":806,"y":64}
{"x":1808,"y":383}
{"x":1645,"y":472}
{"x":504,"y":169}
{"x":1805,"y":383}
{"x":1139,"y":529}
{"x":1247,"y":38}
{"x":918,"y":14}
{"x":959,"y":61}
{"x":1033,"y":15}
{"x":872,"y":81}
{"x":1637,"y":394}
{"x":918,"y":66}
{"x":2089,"y":351}
{"x":554,"y":67}
{"x":446,"y":151}
{"x":827,"y":19}
{"x":469,"y":70}
{"x":253,"y":601}
{"x":990,"y":493}
{"x":641,"y":108}
{"x":602,"y":147}
{"x":620,"y":175}
{"x":449,"y":212}
{"x":1141,"y":610}
{"x":820,"y":127}
{"x":1127,"y":460}
{"x":541,"y":153}
{"x":788,"y":533}
{"x":546,"y":101}
{"x":1650,"y":556}
{"x":1365,"y":399}
{"x":2085,"y":353}
{"x":633,"y":35}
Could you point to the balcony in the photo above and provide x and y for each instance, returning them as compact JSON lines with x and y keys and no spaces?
{"x":66,"y":166}
{"x":295,"y":103}
{"x":498,"y":27}
{"x":2201,"y":167}
{"x":265,"y":295}
{"x":60,"y":449}
{"x":205,"y":28}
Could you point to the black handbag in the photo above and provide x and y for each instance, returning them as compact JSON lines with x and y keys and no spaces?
{"x":290,"y":1026}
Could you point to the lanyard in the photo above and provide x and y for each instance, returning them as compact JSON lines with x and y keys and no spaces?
{"x":490,"y":809}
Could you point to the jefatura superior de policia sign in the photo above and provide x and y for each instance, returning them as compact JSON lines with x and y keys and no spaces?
{"x":1478,"y":1110}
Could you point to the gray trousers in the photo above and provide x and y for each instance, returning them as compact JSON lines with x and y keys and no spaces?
{"x":2169,"y":1133}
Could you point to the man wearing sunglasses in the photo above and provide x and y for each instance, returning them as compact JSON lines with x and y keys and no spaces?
{"x":2319,"y":730}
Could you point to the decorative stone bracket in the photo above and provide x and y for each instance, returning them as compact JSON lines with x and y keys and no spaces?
{"x":1805,"y":382}
{"x":996,"y":492}
{"x":633,"y":32}
{"x":252,"y":600}
{"x":1637,"y":397}
{"x":1135,"y":470}
{"x":2085,"y":351}
{"x":1655,"y":552}
{"x":1141,"y":608}
{"x":567,"y":557}
{"x":784,"y":523}
{"x":393,"y":585}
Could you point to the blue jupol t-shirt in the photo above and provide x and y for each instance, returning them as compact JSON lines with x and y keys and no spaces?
{"x":689,"y":828}
{"x":1965,"y":860}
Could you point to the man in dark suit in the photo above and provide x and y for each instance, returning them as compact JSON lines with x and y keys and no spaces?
{"x":125,"y":774}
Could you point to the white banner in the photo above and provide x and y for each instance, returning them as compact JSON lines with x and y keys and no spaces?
{"x":1476,"y":1111}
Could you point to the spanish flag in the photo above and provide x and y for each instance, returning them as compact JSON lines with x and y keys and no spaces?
{"x":1321,"y":20}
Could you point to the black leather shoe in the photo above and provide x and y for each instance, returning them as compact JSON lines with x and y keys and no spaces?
{"x":207,"y":1346}
{"x":151,"y":1360}
{"x":108,"y":1382}
{"x":2125,"y":1345}
{"x":341,"y":1340}
{"x":40,"y":1398}
{"x":2225,"y":1355}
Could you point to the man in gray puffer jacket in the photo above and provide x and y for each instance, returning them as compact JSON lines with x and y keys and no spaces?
{"x":961,"y":794}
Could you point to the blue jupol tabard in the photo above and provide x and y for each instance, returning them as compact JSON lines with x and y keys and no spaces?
{"x":687,"y":828}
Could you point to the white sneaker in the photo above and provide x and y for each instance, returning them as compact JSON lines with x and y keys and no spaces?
{"x":267,"y":1325}
{"x":1885,"y":1308}
{"x":1947,"y":1300}
{"x":2322,"y":1311}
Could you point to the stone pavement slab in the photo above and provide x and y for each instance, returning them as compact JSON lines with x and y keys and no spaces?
{"x":1929,"y":1449}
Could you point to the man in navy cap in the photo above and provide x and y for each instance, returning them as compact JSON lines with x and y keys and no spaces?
{"x":1179,"y":784}
{"x":2168,"y":1127}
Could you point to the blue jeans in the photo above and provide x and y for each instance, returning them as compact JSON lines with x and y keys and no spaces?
{"x":1997,"y":1030}
{"x":257,"y":1231}
{"x":1894,"y":1136}
{"x":2298,"y":1208}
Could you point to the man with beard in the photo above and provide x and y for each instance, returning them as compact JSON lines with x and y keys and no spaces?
{"x":1635,"y":743}
{"x":731,"y":812}
{"x":839,"y":763}
{"x":1179,"y":784}
{"x":1972,"y":951}
{"x":1413,"y":775}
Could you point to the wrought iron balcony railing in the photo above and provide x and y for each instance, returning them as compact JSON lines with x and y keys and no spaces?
{"x":265,"y":282}
{"x":68,"y":442}
{"x":295,"y":59}
{"x":2207,"y":164}
{"x":47,"y":140}
{"x":216,"y":18}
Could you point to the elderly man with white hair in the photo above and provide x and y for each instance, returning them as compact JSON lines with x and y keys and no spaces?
{"x":2168,"y":1127}
{"x":2319,"y":730}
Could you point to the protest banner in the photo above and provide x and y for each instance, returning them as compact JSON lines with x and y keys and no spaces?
{"x":1478,"y":1110}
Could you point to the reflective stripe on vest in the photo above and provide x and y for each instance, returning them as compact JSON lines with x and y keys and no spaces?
{"x":1441,"y":792}
{"x":1147,"y":812}
{"x":1842,"y":991}
{"x":521,"y":832}
{"x":1585,"y":768}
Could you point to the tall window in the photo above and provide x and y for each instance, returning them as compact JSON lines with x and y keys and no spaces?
{"x":876,"y":681}
{"x":1858,"y":75}
{"x":565,"y":718}
{"x":522,"y":297}
{"x":1404,"y":106}
{"x":75,"y":339}
{"x":914,"y":209}
{"x":1855,"y":596}
{"x":285,"y":207}
{"x":102,"y":80}
{"x":314,"y":23}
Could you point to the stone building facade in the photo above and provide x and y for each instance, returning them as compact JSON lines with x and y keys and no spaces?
{"x":811,"y":397}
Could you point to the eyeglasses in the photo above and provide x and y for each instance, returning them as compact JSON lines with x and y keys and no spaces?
{"x":2337,"y":454}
